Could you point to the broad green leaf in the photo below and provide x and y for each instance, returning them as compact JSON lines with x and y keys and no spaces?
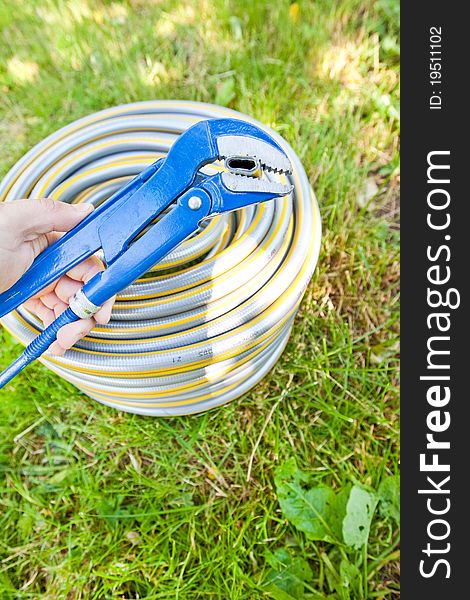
{"x":290,"y":470}
{"x":338,"y":511}
{"x":287,"y":578}
{"x":389,"y":496}
{"x":308,"y":509}
{"x":279,"y":594}
{"x":359,"y":512}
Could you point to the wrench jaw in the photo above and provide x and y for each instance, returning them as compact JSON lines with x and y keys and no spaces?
{"x":257,"y":170}
{"x":255,"y":166}
{"x":234,"y":137}
{"x":267,"y":154}
{"x":232,"y":191}
{"x":243,"y":184}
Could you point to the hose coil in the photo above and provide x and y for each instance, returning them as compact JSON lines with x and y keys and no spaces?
{"x":212,"y":318}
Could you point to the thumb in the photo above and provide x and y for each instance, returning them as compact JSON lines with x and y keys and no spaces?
{"x":37,"y":217}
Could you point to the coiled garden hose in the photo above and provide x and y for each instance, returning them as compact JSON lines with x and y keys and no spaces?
{"x":212,"y":318}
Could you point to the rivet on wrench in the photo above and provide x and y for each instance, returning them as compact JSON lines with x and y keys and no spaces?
{"x":194,"y":203}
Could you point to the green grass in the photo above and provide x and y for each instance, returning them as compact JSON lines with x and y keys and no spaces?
{"x":98,"y":504}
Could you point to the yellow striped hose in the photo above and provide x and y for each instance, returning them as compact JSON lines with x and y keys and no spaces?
{"x":212,"y":318}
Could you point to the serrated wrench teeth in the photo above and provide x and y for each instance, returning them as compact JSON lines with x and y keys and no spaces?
{"x":241,"y":183}
{"x":269,"y":157}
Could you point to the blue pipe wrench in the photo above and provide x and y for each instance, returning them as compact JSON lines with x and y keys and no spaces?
{"x":249,"y":154}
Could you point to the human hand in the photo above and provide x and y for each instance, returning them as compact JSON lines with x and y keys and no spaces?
{"x":27,"y":227}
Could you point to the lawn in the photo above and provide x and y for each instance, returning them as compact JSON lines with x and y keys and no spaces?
{"x":101,"y":504}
